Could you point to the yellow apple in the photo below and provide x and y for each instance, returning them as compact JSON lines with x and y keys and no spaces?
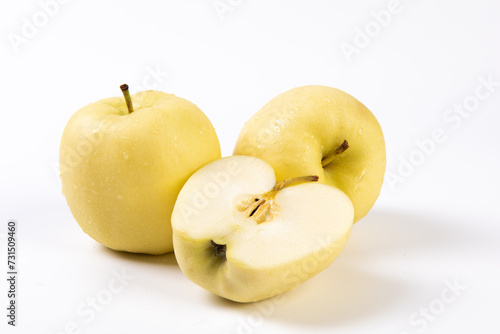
{"x":124,"y":161}
{"x":319,"y":130}
{"x":243,"y":236}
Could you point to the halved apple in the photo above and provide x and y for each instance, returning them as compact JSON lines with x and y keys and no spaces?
{"x":243,"y":236}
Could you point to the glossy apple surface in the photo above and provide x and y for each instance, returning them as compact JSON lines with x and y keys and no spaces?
{"x":121,"y":172}
{"x":302,"y":131}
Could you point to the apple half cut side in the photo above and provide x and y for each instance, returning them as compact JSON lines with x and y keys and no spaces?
{"x":242,"y":236}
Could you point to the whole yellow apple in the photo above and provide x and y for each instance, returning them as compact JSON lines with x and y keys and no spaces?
{"x":319,"y":130}
{"x":124,"y":161}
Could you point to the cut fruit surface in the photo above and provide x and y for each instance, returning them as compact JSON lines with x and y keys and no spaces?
{"x":236,"y":237}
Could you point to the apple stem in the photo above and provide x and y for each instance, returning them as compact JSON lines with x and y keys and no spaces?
{"x":341,"y":149}
{"x":126,"y":95}
{"x":285,"y":183}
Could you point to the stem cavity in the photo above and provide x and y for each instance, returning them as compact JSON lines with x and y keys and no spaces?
{"x":339,"y":150}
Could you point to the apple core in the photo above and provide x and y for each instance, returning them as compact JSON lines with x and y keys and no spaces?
{"x":263,"y":207}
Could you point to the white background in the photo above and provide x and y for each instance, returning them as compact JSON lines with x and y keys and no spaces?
{"x":438,"y":223}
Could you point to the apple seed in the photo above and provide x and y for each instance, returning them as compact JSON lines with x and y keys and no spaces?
{"x":262,"y":208}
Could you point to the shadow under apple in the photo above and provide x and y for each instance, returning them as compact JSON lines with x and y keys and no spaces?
{"x":167,"y":259}
{"x":353,"y":288}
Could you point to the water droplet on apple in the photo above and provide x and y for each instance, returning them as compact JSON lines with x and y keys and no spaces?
{"x":358,"y":178}
{"x":279,"y":122}
{"x":125,"y":155}
{"x":360,"y":131}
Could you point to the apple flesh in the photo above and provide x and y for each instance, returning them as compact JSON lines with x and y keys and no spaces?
{"x":243,"y":236}
{"x":121,"y":171}
{"x":319,"y":130}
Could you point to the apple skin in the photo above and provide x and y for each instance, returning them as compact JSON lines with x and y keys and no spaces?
{"x":297,"y":129}
{"x":241,"y":283}
{"x":121,"y":173}
{"x":311,"y":225}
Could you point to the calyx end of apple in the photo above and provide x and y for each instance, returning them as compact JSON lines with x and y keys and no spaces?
{"x":263,"y":208}
{"x":219,"y":250}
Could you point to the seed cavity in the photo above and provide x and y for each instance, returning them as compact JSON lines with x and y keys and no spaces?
{"x":257,"y":207}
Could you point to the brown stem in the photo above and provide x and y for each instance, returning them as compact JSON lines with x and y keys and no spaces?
{"x":341,"y":149}
{"x":126,"y":95}
{"x":288,"y":182}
